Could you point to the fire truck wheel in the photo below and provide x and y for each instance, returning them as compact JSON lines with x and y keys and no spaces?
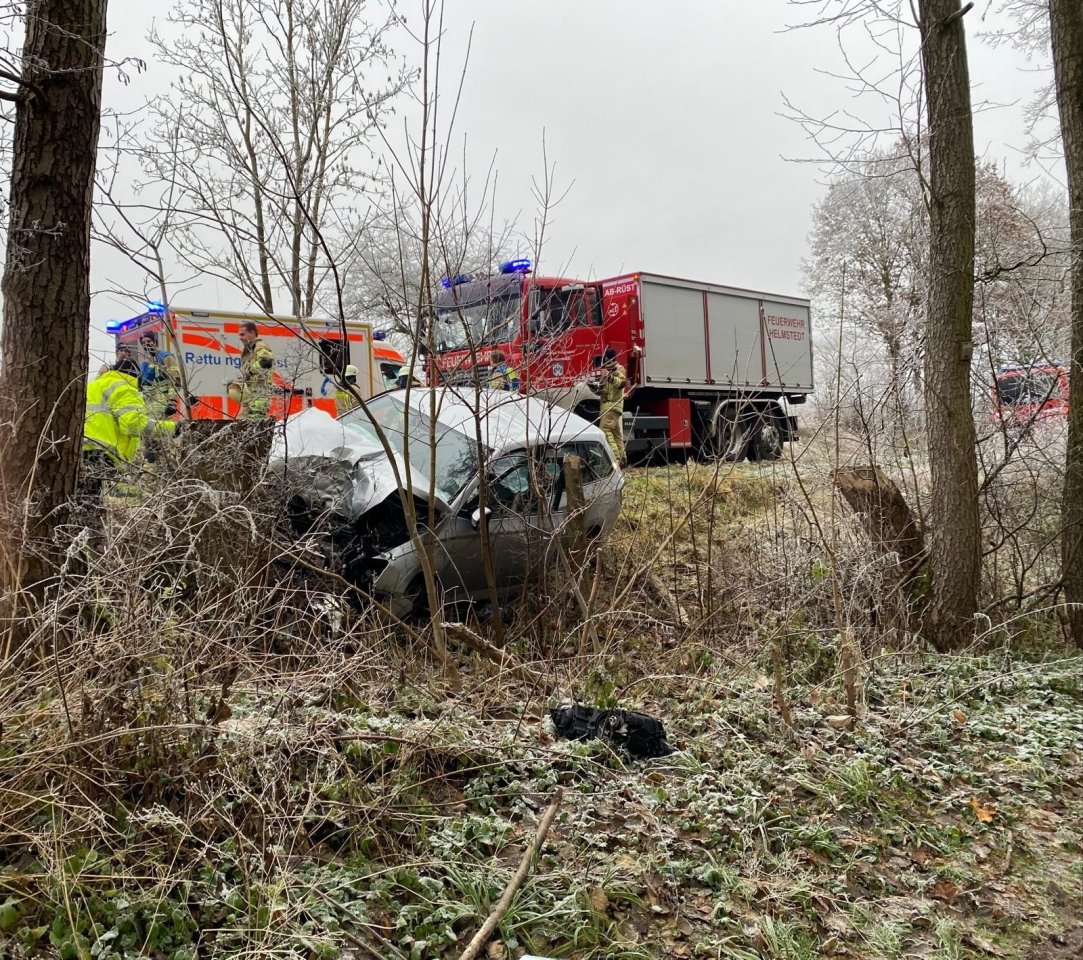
{"x":767,"y":440}
{"x":730,"y":440}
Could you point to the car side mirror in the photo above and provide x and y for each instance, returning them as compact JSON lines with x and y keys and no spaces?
{"x":475,"y":517}
{"x":534,"y":327}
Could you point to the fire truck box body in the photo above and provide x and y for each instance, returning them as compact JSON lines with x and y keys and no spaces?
{"x":208,"y":344}
{"x":713,"y":368}
{"x":713,"y":338}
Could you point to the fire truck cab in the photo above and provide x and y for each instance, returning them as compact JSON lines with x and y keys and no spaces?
{"x":712,"y":370}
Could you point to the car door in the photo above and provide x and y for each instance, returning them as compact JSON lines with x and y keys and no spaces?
{"x":509,"y":501}
{"x":601,"y":485}
{"x":548,"y":508}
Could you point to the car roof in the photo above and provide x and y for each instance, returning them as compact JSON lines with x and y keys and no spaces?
{"x":508,"y":421}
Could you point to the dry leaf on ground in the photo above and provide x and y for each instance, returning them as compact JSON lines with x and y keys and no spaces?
{"x":598,"y":900}
{"x":944,"y":890}
{"x":983,"y":811}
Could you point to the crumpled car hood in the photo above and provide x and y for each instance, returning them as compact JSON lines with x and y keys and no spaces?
{"x":347,"y":472}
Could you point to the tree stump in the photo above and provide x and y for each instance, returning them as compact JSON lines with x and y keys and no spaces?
{"x":889,"y":523}
{"x":577,"y":543}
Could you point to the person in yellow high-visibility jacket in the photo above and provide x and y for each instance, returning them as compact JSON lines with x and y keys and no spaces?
{"x":502,"y":375}
{"x":346,"y":399}
{"x":116,"y":422}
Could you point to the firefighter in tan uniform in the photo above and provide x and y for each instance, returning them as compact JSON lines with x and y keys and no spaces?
{"x":609,"y":385}
{"x":257,"y":375}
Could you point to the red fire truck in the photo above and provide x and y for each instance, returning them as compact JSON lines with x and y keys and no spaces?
{"x":712,"y":370}
{"x":208,"y":344}
{"x":1025,"y":394}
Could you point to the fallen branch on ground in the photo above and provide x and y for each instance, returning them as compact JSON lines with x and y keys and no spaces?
{"x":482,"y":936}
{"x":460,"y":631}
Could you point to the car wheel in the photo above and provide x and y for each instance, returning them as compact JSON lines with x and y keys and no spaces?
{"x":416,"y":598}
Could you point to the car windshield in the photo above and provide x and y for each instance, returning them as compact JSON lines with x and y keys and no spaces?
{"x":389,"y":373}
{"x":1026,"y":388}
{"x":475,"y":324}
{"x":456,"y":454}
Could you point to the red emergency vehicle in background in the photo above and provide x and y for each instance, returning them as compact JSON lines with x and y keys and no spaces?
{"x":711,"y":369}
{"x":1028,"y":393}
{"x":207,"y":342}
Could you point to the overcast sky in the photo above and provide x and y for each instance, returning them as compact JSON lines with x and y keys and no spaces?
{"x":662,"y":118}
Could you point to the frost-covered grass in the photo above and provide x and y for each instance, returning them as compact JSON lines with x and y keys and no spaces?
{"x":948,"y":823}
{"x":223,"y":762}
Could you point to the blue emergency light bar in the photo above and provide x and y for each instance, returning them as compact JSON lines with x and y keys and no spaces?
{"x":119,"y":326}
{"x":516,"y":266}
{"x":379,"y":334}
{"x":154,"y":309}
{"x":449,"y":282}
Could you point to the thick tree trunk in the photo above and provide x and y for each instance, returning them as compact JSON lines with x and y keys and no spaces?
{"x":955,"y":546}
{"x":1066,"y":28}
{"x":46,"y":281}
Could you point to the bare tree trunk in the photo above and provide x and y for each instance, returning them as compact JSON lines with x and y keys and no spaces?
{"x":955,"y":541}
{"x":1066,"y":31}
{"x":46,"y":282}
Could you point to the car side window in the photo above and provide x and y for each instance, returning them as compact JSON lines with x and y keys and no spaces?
{"x":550,"y":466}
{"x":597,"y":456}
{"x":597,"y":464}
{"x":517,"y":480}
{"x":509,"y":481}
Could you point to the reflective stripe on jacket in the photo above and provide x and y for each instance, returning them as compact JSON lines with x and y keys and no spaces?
{"x":257,"y":367}
{"x":345,"y":401}
{"x":504,"y":377}
{"x":116,"y":416}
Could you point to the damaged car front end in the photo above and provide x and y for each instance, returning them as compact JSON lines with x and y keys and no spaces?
{"x":415,"y":474}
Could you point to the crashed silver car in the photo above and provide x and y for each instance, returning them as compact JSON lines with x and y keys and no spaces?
{"x":496,"y":452}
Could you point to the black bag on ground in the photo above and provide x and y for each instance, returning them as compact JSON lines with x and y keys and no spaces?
{"x":641,"y":735}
